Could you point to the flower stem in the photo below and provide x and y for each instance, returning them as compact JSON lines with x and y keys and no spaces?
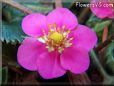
{"x":18,"y":6}
{"x":58,"y":3}
{"x":78,"y":79}
{"x":107,"y":78}
{"x":105,"y":34}
{"x":98,"y":64}
{"x":83,"y":15}
{"x":104,"y":44}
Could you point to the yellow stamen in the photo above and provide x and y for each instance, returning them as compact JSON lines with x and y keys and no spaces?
{"x":56,"y":37}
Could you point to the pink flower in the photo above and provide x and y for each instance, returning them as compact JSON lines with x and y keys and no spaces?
{"x":55,"y":46}
{"x":103,"y":8}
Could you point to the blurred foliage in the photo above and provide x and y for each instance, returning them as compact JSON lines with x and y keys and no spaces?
{"x":40,"y":7}
{"x":9,"y":54}
{"x":4,"y":72}
{"x":11,"y":24}
{"x":68,"y":3}
{"x":109,"y":58}
{"x":98,"y":25}
{"x":12,"y":17}
{"x":111,"y":28}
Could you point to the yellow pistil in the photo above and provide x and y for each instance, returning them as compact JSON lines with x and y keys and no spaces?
{"x":56,"y":37}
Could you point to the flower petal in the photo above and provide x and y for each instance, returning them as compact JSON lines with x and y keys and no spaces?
{"x":84,"y":37}
{"x":62,"y":16}
{"x":28,"y":53}
{"x":102,"y":12}
{"x":75,"y":59}
{"x":33,"y":24}
{"x":112,"y":15}
{"x":49,"y":65}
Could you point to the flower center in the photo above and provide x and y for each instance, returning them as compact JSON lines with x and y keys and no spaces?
{"x":57,"y":38}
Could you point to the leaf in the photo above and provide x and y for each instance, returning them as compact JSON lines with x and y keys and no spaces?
{"x":11,"y":25}
{"x":109,"y":58}
{"x":12,"y":32}
{"x":93,"y":20}
{"x":111,"y":30}
{"x":98,"y":25}
{"x":68,"y":3}
{"x":40,"y":7}
{"x":12,"y":17}
{"x":4,"y":72}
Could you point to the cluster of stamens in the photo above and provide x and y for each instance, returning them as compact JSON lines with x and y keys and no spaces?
{"x":57,"y":38}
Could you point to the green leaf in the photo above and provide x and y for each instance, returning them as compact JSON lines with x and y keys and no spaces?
{"x":111,"y":30}
{"x":68,"y":3}
{"x":98,"y":25}
{"x":109,"y":58}
{"x":39,"y":7}
{"x":11,"y":25}
{"x":4,"y":72}
{"x":93,"y":20}
{"x":12,"y":32}
{"x":12,"y":18}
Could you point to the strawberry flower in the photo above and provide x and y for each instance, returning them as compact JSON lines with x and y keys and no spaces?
{"x":104,"y":8}
{"x":53,"y":45}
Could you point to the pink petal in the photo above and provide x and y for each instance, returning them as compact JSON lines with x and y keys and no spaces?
{"x":49,"y":65}
{"x":33,"y":24}
{"x":62,"y":16}
{"x":84,"y":37}
{"x":112,"y":15}
{"x":102,"y":12}
{"x":75,"y":59}
{"x":29,"y":52}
